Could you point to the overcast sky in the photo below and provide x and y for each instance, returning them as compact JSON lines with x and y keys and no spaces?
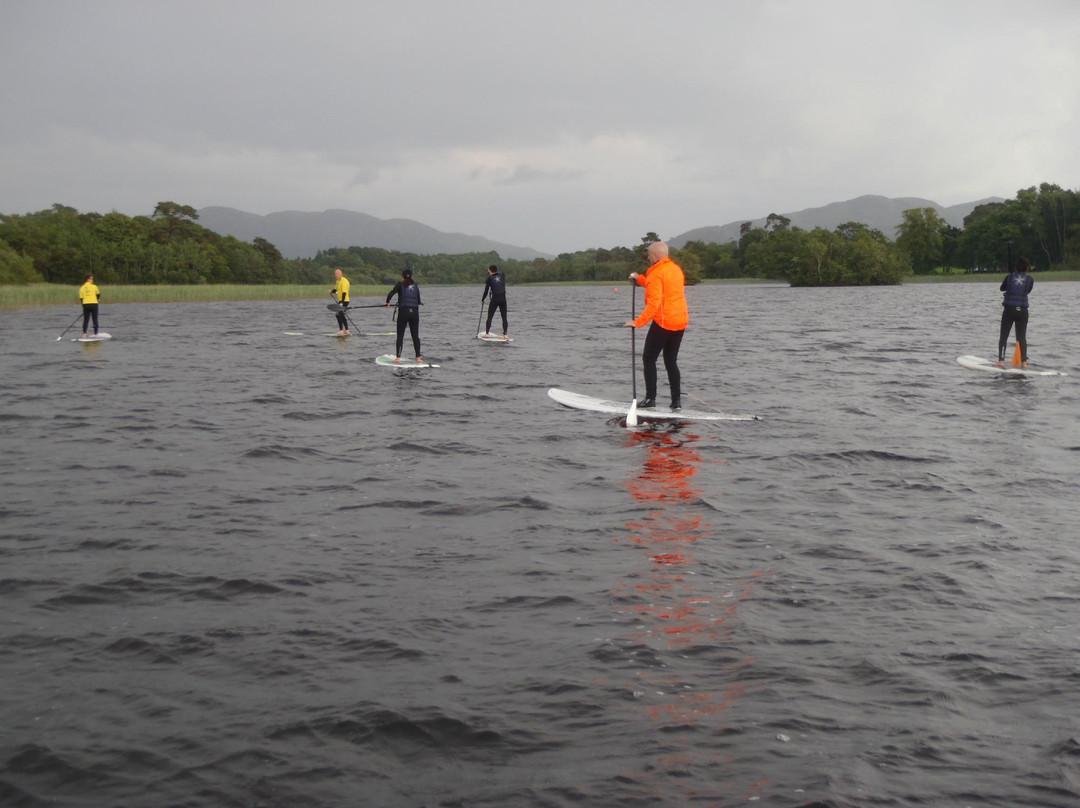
{"x":556,"y":124}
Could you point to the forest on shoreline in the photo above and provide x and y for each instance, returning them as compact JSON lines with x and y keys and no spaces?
{"x":60,"y":245}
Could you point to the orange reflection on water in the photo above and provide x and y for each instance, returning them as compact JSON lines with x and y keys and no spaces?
{"x":675,"y":614}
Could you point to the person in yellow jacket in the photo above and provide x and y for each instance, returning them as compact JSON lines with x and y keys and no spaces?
{"x":89,"y":295}
{"x":341,"y":295}
{"x":665,"y":308}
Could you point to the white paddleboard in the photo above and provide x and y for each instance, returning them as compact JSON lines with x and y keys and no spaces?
{"x":493,"y":338}
{"x":582,"y":402}
{"x":377,"y":333}
{"x":336,"y":334}
{"x":978,"y":363}
{"x":294,"y":333}
{"x":94,"y":338}
{"x":387,"y":360}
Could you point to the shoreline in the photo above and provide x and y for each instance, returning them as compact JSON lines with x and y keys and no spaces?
{"x":14,"y":298}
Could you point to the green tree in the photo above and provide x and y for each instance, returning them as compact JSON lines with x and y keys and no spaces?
{"x":919,"y":235}
{"x":15,"y":268}
{"x":693,"y":271}
{"x":175,"y":221}
{"x":774,"y":222}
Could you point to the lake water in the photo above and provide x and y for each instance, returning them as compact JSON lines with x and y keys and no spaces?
{"x":248,"y":568}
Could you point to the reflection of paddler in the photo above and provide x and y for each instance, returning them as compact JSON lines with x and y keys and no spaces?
{"x":668,"y":467}
{"x":682,"y":618}
{"x":408,"y":311}
{"x":89,"y":295}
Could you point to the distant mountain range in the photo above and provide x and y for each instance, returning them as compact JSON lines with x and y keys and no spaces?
{"x":301,"y":235}
{"x":879,"y":212}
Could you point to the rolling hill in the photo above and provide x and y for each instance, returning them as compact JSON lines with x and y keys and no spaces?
{"x":300,"y":235}
{"x":880,"y":212}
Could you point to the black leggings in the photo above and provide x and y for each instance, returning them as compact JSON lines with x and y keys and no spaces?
{"x":656,"y":341}
{"x":342,"y":319}
{"x":1019,"y":316}
{"x":89,"y":310}
{"x":492,"y":306}
{"x":410,"y":317}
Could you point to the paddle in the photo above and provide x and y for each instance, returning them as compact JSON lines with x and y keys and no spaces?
{"x":631,"y":414}
{"x":480,"y":319}
{"x":337,"y":306}
{"x":69,"y":327}
{"x":1017,"y":359}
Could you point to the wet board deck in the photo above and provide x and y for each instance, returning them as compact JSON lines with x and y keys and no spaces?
{"x":494,"y":338}
{"x":95,"y":338}
{"x":978,"y":363}
{"x":582,"y":402}
{"x":387,"y":360}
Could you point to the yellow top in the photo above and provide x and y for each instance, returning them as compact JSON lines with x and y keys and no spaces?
{"x":88,"y":293}
{"x":342,"y":289}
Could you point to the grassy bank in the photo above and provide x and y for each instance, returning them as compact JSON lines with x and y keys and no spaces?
{"x":52,"y":294}
{"x":993,"y":277}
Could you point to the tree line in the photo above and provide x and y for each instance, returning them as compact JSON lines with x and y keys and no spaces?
{"x":61,"y":245}
{"x":1042,"y":223}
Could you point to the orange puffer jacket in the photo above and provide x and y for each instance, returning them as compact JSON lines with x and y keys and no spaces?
{"x":665,"y":300}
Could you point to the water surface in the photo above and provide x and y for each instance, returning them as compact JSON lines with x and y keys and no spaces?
{"x":250,"y":568}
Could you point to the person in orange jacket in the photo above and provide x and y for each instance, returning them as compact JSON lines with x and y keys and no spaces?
{"x":665,"y":308}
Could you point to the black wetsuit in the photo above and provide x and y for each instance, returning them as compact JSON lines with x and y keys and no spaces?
{"x":496,"y":284}
{"x":89,"y":310}
{"x":408,"y":313}
{"x":660,"y":340}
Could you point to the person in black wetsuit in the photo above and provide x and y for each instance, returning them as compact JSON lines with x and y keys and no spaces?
{"x":1017,"y":286}
{"x":408,"y":312}
{"x":496,"y":284}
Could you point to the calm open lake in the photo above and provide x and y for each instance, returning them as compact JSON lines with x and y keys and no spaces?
{"x":240,"y":567}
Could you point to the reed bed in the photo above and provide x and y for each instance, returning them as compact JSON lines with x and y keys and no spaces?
{"x":994,"y":277}
{"x":54,"y":294}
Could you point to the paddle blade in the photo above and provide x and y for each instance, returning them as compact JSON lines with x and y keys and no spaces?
{"x":631,"y":415}
{"x":1017,"y":359}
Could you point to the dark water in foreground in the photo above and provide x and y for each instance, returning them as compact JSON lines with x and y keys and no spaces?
{"x":242,"y":568}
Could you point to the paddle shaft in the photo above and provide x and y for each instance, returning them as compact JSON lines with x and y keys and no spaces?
{"x":344,"y":313}
{"x":69,"y":327}
{"x":633,"y":337}
{"x":480,"y":319}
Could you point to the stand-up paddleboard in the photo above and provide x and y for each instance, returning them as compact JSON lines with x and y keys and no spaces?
{"x":336,"y":334}
{"x":582,"y":402}
{"x":493,"y":338}
{"x":376,"y":333}
{"x":978,"y":363}
{"x":293,"y":333}
{"x":94,"y":338}
{"x":387,"y":360}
